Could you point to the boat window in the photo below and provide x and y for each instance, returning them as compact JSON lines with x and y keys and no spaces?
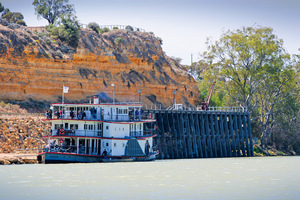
{"x":107,"y":144}
{"x":66,"y":125}
{"x":115,"y":144}
{"x":91,"y":127}
{"x":107,"y":127}
{"x":85,"y":126}
{"x":122,"y":111}
{"x":74,"y":126}
{"x":99,"y":126}
{"x":58,"y":126}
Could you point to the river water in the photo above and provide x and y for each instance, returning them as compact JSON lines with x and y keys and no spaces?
{"x":220,"y":178}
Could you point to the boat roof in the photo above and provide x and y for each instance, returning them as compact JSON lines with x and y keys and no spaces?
{"x":108,"y":138}
{"x":129,"y":104}
{"x":105,"y":121}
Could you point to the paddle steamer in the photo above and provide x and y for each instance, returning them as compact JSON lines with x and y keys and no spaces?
{"x":98,"y":132}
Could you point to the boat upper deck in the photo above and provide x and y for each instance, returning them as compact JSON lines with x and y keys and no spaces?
{"x":118,"y":112}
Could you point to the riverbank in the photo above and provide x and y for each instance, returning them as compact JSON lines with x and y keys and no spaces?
{"x":270,"y":151}
{"x":13,"y":158}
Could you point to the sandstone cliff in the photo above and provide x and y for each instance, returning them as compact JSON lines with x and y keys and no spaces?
{"x":34,"y":67}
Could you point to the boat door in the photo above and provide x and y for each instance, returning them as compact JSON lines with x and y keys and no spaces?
{"x":99,"y":147}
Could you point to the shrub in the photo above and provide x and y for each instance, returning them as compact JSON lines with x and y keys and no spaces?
{"x":94,"y":26}
{"x":115,"y":28}
{"x":118,"y":40}
{"x":129,"y":28}
{"x":106,"y":30}
{"x":160,"y":40}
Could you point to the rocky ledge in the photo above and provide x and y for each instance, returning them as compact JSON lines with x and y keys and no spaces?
{"x":8,"y":159}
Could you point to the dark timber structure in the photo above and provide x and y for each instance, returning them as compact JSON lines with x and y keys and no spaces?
{"x":202,"y":134}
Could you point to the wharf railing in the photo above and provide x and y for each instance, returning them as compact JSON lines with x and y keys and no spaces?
{"x":224,"y":109}
{"x":198,"y":108}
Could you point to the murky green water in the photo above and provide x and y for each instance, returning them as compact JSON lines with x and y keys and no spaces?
{"x":230,"y":178}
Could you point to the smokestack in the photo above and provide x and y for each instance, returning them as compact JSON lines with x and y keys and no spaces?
{"x":96,"y":99}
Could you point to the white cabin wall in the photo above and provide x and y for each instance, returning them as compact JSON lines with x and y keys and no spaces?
{"x":106,"y":145}
{"x":105,"y":130}
{"x":115,"y":130}
{"x":118,"y":147}
{"x":110,"y":113}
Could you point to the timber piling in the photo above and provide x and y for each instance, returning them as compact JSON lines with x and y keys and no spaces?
{"x":202,"y":134}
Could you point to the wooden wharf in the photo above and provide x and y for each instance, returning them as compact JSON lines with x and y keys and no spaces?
{"x":202,"y":134}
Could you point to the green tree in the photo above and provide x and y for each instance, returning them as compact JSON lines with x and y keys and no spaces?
{"x":66,"y":29}
{"x":12,"y":17}
{"x":1,"y":8}
{"x":51,"y":10}
{"x":254,"y":71}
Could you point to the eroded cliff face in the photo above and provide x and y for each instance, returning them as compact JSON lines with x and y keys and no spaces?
{"x":36,"y":67}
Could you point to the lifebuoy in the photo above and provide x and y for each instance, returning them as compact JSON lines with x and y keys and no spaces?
{"x":61,"y":131}
{"x":61,"y":140}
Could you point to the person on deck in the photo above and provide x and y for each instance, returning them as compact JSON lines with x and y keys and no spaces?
{"x":57,"y":114}
{"x":147,"y":147}
{"x":104,"y":153}
{"x":83,"y":115}
{"x":72,"y":114}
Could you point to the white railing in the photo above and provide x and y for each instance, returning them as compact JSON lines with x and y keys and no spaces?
{"x":224,"y":109}
{"x":87,"y":133}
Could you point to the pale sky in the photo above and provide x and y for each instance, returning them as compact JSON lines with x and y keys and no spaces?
{"x":184,"y":25}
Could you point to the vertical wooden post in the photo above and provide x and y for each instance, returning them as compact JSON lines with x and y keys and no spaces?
{"x":188,"y":135}
{"x":232,"y":136}
{"x":198,"y":134}
{"x":163,"y":138}
{"x":219,"y":145}
{"x":183,"y":135}
{"x":194,"y":141}
{"x":228,"y":144}
{"x":208,"y":135}
{"x":237,"y":134}
{"x":180,"y":145}
{"x":250,"y":134}
{"x":222,"y":134}
{"x":203,"y":135}
{"x":174,"y":130}
{"x":169,"y":134}
{"x":246,"y":134}
{"x":242,"y":139}
{"x":213,"y":136}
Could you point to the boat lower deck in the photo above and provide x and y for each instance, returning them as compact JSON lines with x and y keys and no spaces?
{"x":59,"y":157}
